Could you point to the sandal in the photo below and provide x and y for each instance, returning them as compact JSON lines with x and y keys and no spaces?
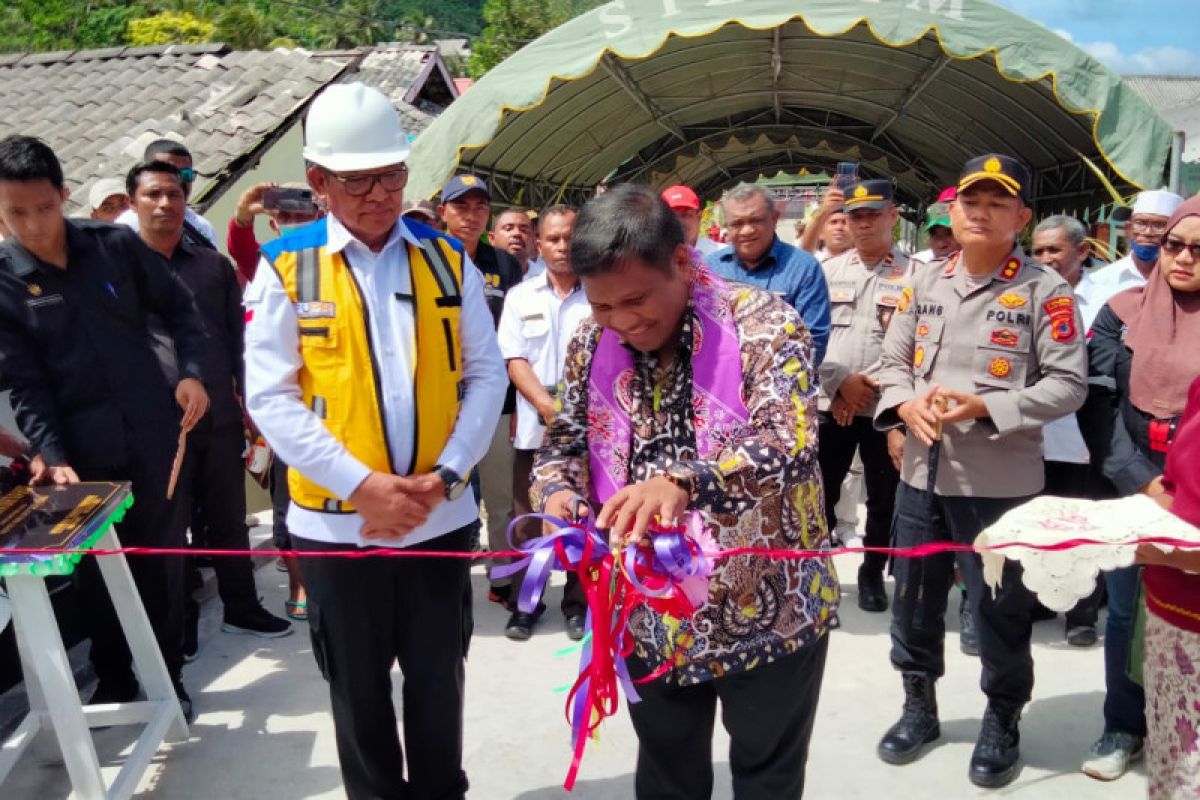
{"x":297,"y":610}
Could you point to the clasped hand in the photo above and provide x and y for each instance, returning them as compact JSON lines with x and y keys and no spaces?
{"x":392,"y":506}
{"x":924,"y":415}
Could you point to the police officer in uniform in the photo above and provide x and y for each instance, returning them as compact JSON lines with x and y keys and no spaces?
{"x":987,"y":347}
{"x":865,"y":285}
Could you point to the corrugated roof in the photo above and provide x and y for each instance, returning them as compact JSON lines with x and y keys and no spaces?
{"x":99,"y":109}
{"x":1177,"y":99}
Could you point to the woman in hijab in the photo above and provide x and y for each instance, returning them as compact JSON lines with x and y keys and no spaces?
{"x":1172,"y":583}
{"x":1143,"y":354}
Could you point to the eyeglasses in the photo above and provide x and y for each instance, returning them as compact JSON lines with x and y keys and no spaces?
{"x":361,"y":185}
{"x":1173,"y":247}
{"x":1146,"y":226}
{"x":187,"y":175}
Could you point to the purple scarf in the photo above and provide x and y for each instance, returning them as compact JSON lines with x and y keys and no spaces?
{"x":718,"y":413}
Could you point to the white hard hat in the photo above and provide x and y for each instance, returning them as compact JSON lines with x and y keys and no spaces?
{"x":351,"y":127}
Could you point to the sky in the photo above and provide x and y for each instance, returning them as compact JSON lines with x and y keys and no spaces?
{"x":1130,"y":36}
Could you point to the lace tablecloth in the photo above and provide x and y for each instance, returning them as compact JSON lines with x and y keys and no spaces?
{"x":1060,"y":578}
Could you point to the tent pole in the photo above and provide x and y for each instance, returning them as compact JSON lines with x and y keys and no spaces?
{"x":1178,"y":141}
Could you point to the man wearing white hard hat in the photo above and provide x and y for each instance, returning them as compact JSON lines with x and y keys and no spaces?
{"x":1145,"y":228}
{"x":107,"y":199}
{"x":372,"y":369}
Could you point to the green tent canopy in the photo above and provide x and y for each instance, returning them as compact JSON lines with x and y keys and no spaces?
{"x":710,"y":92}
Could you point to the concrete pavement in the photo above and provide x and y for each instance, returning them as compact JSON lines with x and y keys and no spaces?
{"x":264,"y":731}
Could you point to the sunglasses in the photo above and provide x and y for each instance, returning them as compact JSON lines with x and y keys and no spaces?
{"x":361,"y":185}
{"x":187,"y":174}
{"x":1173,"y":247}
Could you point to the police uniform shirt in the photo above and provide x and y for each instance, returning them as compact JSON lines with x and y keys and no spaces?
{"x":300,"y":438}
{"x":537,"y":325}
{"x":75,"y":350}
{"x":1016,"y":340}
{"x":862,"y":300}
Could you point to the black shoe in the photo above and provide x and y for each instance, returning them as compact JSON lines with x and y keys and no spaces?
{"x":872,"y":596}
{"x":968,"y":640}
{"x":1081,"y":635}
{"x":185,"y":703}
{"x":576,"y":624}
{"x":114,"y":692}
{"x":520,"y":626}
{"x":995,"y":760}
{"x":256,"y":621}
{"x":918,"y":725}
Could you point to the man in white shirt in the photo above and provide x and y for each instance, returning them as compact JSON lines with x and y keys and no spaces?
{"x":1145,"y":228}
{"x":540,"y":316}
{"x":196,"y":228}
{"x":372,"y":369}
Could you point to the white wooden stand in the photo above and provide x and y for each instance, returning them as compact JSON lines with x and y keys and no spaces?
{"x":54,"y":702}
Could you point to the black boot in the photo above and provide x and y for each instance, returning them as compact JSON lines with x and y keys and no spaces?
{"x":872,"y":596}
{"x":994,"y":762}
{"x":968,"y":640}
{"x":918,"y":725}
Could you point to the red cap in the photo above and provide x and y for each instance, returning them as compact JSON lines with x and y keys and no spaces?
{"x":948,"y":194}
{"x":680,"y":196}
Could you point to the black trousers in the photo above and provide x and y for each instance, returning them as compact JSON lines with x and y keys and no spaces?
{"x":836,"y":454}
{"x":280,"y":499}
{"x":152,"y":521}
{"x":366,"y":615}
{"x":1003,"y":623}
{"x":213,"y":477}
{"x":1074,"y":480}
{"x":768,"y":711}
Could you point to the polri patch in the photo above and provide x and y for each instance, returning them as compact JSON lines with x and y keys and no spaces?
{"x":1000,"y":367}
{"x":1004,"y":337}
{"x":1012,"y":300}
{"x":1061,"y":311}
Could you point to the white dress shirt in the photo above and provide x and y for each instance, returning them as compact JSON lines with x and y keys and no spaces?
{"x":537,"y":326}
{"x":274,"y":400}
{"x":1096,"y":288}
{"x":129,"y":218}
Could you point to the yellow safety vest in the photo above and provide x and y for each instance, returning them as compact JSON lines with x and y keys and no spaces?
{"x":340,"y":378}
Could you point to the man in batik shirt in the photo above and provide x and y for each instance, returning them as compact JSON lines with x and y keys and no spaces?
{"x":685,"y":393}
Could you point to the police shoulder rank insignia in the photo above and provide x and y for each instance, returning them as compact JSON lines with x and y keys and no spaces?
{"x":1000,"y":367}
{"x":1005,"y":337}
{"x":315,"y":310}
{"x":919,"y":356}
{"x":905,"y":300}
{"x":35,"y":290}
{"x":1061,"y":311}
{"x":1012,"y":300}
{"x":1010,"y":270}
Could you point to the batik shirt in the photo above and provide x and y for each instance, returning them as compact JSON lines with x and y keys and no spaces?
{"x":763,"y":491}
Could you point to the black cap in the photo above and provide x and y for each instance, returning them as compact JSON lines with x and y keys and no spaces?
{"x":459,"y":185}
{"x":1008,"y":172}
{"x":868,"y":194}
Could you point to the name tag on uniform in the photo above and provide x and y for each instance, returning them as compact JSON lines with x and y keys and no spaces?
{"x":533,"y":317}
{"x":48,"y":300}
{"x":316,"y":310}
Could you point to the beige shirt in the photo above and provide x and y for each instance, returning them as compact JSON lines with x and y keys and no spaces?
{"x":862,"y":300}
{"x":1017,"y":340}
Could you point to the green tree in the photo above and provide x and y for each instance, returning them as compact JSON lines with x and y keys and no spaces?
{"x":169,"y":27}
{"x":244,"y":27}
{"x":512,"y":24}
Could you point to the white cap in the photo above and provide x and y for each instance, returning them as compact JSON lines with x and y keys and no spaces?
{"x":103,"y":189}
{"x":1159,"y":202}
{"x":351,"y":126}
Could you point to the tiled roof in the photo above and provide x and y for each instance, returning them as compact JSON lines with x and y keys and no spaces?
{"x":98,"y":109}
{"x":413,"y":76}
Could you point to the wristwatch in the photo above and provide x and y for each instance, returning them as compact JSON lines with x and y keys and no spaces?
{"x":683,"y":476}
{"x":455,"y":483}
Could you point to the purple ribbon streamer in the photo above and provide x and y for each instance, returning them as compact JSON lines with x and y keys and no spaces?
{"x":542,"y":558}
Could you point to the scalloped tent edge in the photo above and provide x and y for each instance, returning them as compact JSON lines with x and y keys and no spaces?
{"x":606,"y":88}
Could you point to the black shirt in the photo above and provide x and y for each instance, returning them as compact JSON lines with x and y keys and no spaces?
{"x":212,"y":281}
{"x":76,"y":353}
{"x":501,"y":272}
